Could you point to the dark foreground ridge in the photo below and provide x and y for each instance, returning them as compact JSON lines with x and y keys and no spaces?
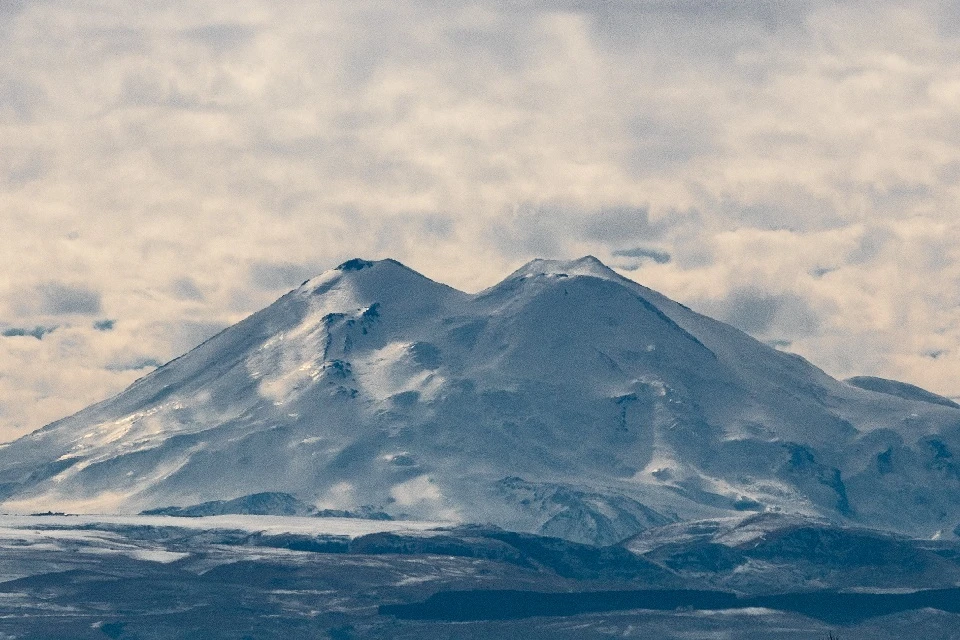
{"x":268,"y":503}
{"x":829,"y":606}
{"x":154,"y":578}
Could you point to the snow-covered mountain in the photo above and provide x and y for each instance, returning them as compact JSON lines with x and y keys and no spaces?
{"x":565,"y":400}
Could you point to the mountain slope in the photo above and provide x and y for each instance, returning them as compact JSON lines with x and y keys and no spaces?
{"x":566,"y":399}
{"x":900,"y":389}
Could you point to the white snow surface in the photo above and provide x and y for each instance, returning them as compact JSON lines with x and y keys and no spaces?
{"x":565,"y":399}
{"x":78,"y":526}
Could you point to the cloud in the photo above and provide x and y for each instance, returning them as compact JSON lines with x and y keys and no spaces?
{"x":872,"y":242}
{"x":43,"y":380}
{"x":617,"y":224}
{"x":104,"y":325}
{"x":760,"y":313}
{"x":12,"y":7}
{"x":186,"y":289}
{"x":54,"y":299}
{"x":283,"y":275}
{"x":644,"y":253}
{"x":179,"y":164}
{"x":186,"y":335}
{"x":21,"y":166}
{"x":549,"y":229}
{"x":20,"y":99}
{"x":666,"y":140}
{"x":35,"y":332}
{"x":63,"y":299}
{"x":781,"y":206}
{"x":134,"y":365}
{"x":222,"y":36}
{"x":752,"y":311}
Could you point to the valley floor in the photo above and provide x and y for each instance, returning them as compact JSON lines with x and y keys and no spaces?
{"x":272,"y":577}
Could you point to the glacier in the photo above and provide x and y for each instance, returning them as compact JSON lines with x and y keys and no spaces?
{"x":566,"y":400}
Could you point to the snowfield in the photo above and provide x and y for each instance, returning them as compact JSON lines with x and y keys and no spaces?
{"x":564,"y":455}
{"x":271,"y":525}
{"x":566,"y":400}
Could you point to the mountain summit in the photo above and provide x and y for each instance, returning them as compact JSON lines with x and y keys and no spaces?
{"x":566,"y":400}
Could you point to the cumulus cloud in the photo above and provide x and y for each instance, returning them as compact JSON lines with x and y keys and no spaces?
{"x":177,"y":165}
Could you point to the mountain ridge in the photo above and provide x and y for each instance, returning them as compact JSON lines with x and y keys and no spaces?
{"x":372,"y":387}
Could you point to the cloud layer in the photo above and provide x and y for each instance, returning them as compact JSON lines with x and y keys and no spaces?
{"x":171,"y":166}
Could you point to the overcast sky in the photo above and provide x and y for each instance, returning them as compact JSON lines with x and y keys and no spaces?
{"x":169,"y":166}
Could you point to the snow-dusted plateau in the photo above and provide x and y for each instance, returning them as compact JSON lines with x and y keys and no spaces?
{"x":566,"y":454}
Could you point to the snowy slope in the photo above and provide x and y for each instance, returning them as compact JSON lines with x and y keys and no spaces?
{"x":566,"y":400}
{"x":900,"y":389}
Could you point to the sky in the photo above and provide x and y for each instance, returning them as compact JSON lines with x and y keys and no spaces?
{"x":168,"y":167}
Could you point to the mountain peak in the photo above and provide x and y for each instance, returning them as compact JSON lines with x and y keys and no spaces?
{"x":372,"y":387}
{"x":585,"y":266}
{"x":360,"y":283}
{"x":360,"y":269}
{"x":355,"y":264}
{"x":359,"y":264}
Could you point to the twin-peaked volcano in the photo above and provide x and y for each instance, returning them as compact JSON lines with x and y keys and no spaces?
{"x":566,"y":400}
